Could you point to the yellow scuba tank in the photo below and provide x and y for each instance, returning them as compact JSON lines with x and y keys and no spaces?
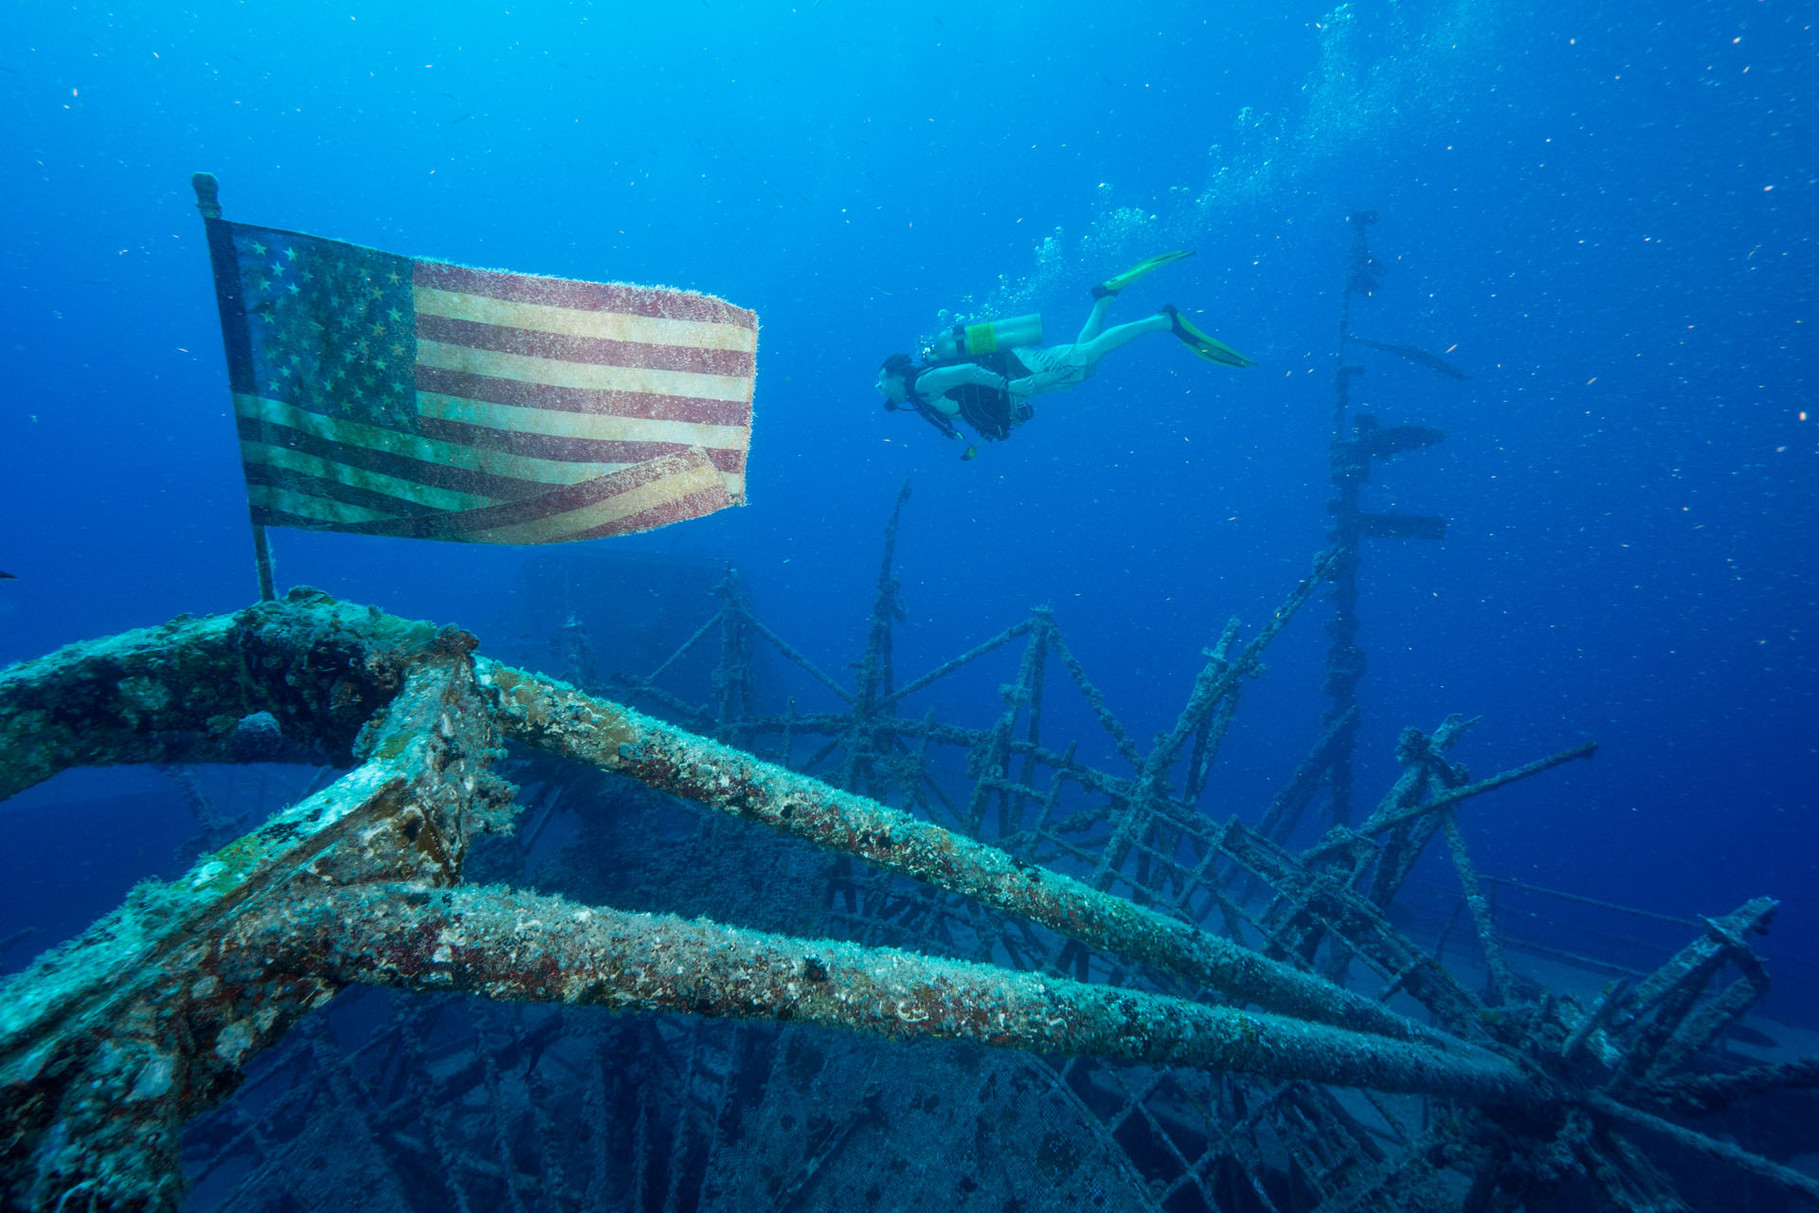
{"x":971,"y":340}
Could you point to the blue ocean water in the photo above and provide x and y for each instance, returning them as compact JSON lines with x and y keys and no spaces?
{"x":1605,"y":215}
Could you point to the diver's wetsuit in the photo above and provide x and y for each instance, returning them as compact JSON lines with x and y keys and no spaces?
{"x":990,"y":411}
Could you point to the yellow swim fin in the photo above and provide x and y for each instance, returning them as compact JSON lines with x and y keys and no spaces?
{"x":1208,"y":347}
{"x":1112,"y":285}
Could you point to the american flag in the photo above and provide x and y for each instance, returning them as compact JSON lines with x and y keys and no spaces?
{"x":389,"y":396}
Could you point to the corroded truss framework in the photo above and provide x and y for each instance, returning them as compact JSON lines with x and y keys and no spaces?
{"x":110,"y":1043}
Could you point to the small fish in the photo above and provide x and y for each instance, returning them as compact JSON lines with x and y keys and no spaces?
{"x":13,"y":70}
{"x":1419,"y":357}
{"x":461,"y":119}
{"x":1744,"y":1034}
{"x":7,"y":577}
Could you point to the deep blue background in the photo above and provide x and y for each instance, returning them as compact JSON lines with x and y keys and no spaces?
{"x":1608,"y":216}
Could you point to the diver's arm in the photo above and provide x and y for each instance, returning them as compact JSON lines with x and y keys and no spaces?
{"x":1019,"y":388}
{"x":937,"y":382}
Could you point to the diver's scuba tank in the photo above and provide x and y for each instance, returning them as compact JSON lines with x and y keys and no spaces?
{"x":971,"y":340}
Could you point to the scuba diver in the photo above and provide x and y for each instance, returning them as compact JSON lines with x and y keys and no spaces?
{"x":985,"y":374}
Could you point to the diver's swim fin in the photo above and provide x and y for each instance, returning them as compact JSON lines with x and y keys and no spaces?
{"x":1111,"y":286}
{"x":1207,"y":347}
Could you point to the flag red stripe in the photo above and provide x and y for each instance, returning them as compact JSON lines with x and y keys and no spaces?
{"x":661,"y":303}
{"x":491,"y":390}
{"x":461,"y":480}
{"x":596,"y":351}
{"x":679,"y":509}
{"x":554,"y":501}
{"x":694,"y":505}
{"x":571,"y":450}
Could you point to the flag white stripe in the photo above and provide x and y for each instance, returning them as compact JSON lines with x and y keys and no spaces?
{"x":523,"y":368}
{"x":558,"y":423}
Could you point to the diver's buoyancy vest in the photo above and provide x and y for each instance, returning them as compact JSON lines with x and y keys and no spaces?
{"x":988,"y":410}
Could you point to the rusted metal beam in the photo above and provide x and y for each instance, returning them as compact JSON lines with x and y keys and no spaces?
{"x":1360,"y":923}
{"x":1698,"y":1143}
{"x":1342,"y":839}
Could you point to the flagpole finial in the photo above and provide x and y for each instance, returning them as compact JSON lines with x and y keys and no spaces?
{"x":208,"y":194}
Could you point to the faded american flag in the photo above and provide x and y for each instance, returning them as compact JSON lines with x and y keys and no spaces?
{"x":390,"y":396}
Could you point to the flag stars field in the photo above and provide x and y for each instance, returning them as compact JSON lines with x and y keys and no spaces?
{"x":419,"y":399}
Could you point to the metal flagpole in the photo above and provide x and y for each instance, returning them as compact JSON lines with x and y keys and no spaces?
{"x":225,"y":263}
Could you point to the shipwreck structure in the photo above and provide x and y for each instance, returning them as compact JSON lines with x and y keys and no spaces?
{"x":1149,"y":1004}
{"x":112,"y":1042}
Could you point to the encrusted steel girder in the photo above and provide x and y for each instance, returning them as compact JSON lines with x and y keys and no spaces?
{"x":192,"y":690}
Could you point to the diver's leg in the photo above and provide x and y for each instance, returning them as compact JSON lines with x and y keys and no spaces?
{"x":1095,"y":320}
{"x":1091,"y":350}
{"x":1066,"y":366}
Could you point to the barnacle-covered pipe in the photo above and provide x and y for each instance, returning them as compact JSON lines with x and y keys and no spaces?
{"x":525,"y":947}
